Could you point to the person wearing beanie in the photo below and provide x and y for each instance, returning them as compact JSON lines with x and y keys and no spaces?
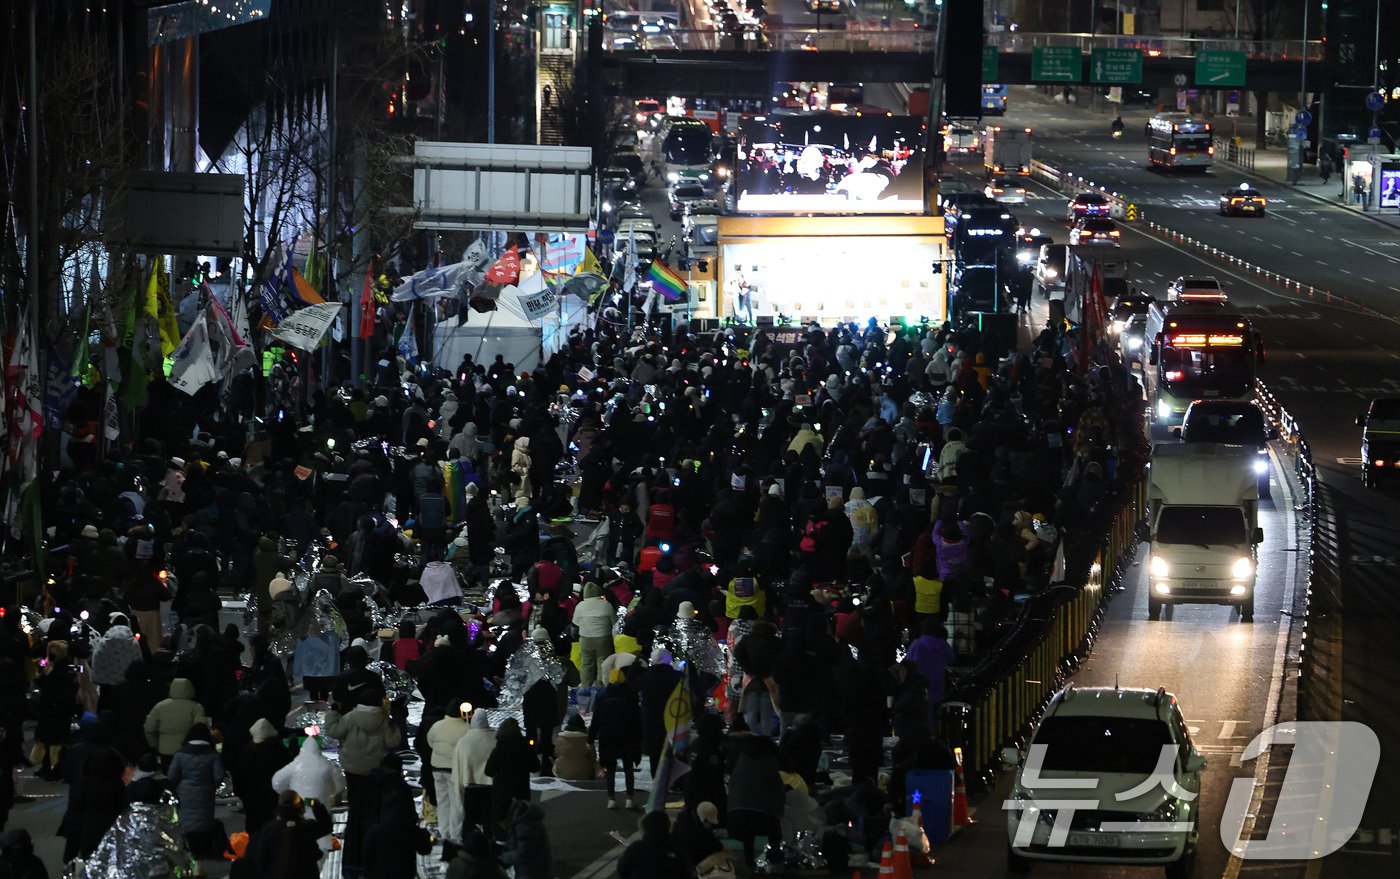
{"x":195,"y":774}
{"x":147,"y":784}
{"x":574,"y":757}
{"x":257,"y":765}
{"x":443,"y":737}
{"x":469,"y":774}
{"x":595,"y":617}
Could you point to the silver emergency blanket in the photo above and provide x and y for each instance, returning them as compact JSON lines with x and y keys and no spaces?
{"x":320,"y":617}
{"x":143,"y":844}
{"x":398,"y":684}
{"x":532,"y":663}
{"x":690,"y":642}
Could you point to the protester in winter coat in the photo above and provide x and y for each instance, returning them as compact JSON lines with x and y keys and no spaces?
{"x":693,"y":836}
{"x":522,"y":538}
{"x":617,"y":730}
{"x":113,"y":653}
{"x":574,"y":758}
{"x":365,"y":734}
{"x":509,"y":766}
{"x":195,"y":773}
{"x":704,"y":783}
{"x":311,"y":775}
{"x":654,"y":856}
{"x":474,"y":859}
{"x":94,"y":802}
{"x":520,"y":465}
{"x":394,"y":842}
{"x":170,"y":720}
{"x":931,"y":653}
{"x":58,"y":705}
{"x":594,"y":617}
{"x":527,"y":845}
{"x":443,"y":737}
{"x":757,"y":654}
{"x":286,"y":847}
{"x":257,"y":766}
{"x":18,"y":858}
{"x":469,"y":774}
{"x":756,"y":796}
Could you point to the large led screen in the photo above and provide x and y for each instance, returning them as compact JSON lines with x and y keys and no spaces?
{"x":823,"y":163}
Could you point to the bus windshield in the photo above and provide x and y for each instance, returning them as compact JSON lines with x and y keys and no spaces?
{"x":1208,"y":371}
{"x":687,"y":145}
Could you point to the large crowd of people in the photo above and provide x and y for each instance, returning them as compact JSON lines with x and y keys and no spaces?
{"x":499,"y":576}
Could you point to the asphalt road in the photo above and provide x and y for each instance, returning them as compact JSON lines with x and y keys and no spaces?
{"x":1325,"y":363}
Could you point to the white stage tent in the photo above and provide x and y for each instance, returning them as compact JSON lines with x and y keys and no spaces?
{"x":508,"y":332}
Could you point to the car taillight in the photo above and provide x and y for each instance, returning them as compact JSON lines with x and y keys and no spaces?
{"x":1174,"y":375}
{"x":1173,"y":152}
{"x":1113,"y":234}
{"x":1210,"y":151}
{"x":1236,"y":200}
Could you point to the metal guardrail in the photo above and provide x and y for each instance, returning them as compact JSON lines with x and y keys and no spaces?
{"x":1229,"y":151}
{"x":901,"y":35}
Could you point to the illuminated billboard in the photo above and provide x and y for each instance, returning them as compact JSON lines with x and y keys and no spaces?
{"x":825,"y":163}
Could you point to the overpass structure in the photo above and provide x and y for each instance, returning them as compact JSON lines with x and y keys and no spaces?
{"x":710,"y":64}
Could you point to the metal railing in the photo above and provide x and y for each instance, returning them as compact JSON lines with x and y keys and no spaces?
{"x":901,"y":35}
{"x":1227,"y":150}
{"x":1071,"y":184}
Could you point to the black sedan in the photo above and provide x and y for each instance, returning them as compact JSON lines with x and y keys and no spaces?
{"x":1242,"y":201}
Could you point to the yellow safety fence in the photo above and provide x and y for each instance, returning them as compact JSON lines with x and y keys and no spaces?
{"x":1006,"y":708}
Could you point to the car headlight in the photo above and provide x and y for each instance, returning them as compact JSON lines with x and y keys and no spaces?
{"x":1242,"y":568}
{"x":1023,"y":258}
{"x":1134,"y":343}
{"x":1261,"y":465}
{"x":1051,"y":273}
{"x":673,"y":177}
{"x":1164,"y":409}
{"x":1165,"y":812}
{"x":607,"y":206}
{"x":1158,"y":567}
{"x":1118,"y":326}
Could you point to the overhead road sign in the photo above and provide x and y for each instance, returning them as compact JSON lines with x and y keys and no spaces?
{"x":991,"y":64}
{"x":1116,"y":66}
{"x":1219,"y":69}
{"x":1056,"y":64}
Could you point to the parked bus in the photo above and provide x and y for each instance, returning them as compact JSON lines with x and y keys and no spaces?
{"x":993,"y":100}
{"x":1179,"y":140}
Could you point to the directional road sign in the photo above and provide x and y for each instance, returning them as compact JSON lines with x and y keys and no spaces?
{"x":1116,"y":66}
{"x":1217,"y":69}
{"x":1056,"y":64}
{"x":1303,"y":118}
{"x":991,"y":66}
{"x":1375,"y":101}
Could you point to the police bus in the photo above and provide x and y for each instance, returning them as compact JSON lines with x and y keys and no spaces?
{"x":1179,"y":140}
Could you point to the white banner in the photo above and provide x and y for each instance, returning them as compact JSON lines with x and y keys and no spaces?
{"x":537,"y":298}
{"x":440,"y":281}
{"x":111,"y":420}
{"x":304,"y":327}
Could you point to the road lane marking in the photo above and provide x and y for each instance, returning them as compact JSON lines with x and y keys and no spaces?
{"x":1295,"y":253}
{"x":1370,"y":251}
{"x":1271,"y":708}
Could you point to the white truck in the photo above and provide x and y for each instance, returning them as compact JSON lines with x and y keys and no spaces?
{"x":1008,"y":151}
{"x":1203,"y":523}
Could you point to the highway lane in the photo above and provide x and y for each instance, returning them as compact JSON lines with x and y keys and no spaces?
{"x":1325,"y":364}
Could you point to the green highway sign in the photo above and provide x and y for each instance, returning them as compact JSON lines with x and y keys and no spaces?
{"x":991,"y":64}
{"x":1056,"y":64}
{"x":1116,"y":66}
{"x":1220,"y":68}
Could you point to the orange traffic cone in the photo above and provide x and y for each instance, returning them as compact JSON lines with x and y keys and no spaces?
{"x":902,"y":868}
{"x":960,"y":814}
{"x":920,"y":857}
{"x":886,"y":862}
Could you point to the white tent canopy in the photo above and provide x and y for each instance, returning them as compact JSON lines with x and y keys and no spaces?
{"x":508,"y":332}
